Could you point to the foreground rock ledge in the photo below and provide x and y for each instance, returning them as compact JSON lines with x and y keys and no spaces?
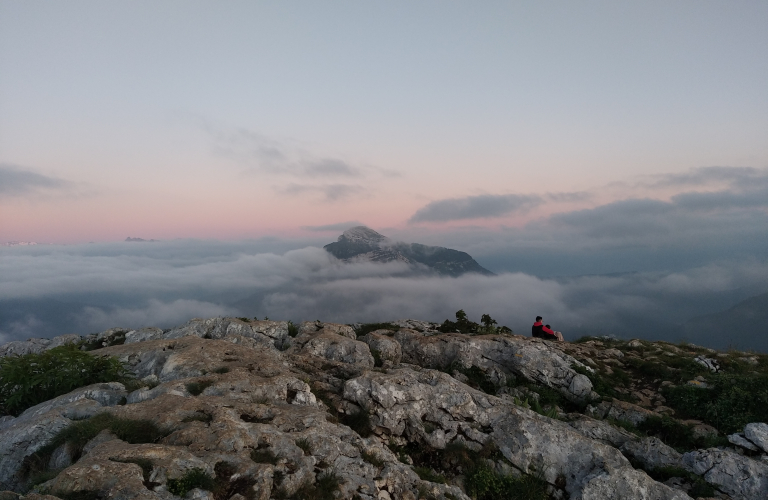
{"x":261,"y":389}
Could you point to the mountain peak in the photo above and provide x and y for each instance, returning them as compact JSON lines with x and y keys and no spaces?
{"x":362,"y":243}
{"x":362,"y":234}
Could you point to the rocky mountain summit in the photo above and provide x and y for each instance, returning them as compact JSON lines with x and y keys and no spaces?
{"x":364,"y":244}
{"x":233,"y":409}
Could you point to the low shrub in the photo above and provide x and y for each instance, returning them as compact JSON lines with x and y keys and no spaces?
{"x":34,"y":378}
{"x":377,"y":361}
{"x":372,"y":458}
{"x":323,"y":488}
{"x":221,"y":370}
{"x":79,"y":433}
{"x":731,"y":401}
{"x":484,"y":483}
{"x":293,"y":330}
{"x":305,"y":445}
{"x":427,"y":474}
{"x":194,"y":478}
{"x":198,"y":417}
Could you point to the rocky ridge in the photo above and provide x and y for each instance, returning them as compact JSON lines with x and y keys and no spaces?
{"x":363,"y":244}
{"x":268,"y":409}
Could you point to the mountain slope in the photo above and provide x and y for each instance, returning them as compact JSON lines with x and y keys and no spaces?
{"x":745,"y":324}
{"x":362,"y":243}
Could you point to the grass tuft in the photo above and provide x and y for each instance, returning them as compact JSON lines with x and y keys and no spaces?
{"x":197,"y":388}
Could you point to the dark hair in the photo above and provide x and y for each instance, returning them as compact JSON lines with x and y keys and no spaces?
{"x":538,"y":318}
{"x":548,"y":326}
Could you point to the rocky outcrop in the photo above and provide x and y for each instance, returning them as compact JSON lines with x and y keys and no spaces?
{"x":266,"y":408}
{"x":739,"y":476}
{"x":498,"y":357}
{"x":22,"y":436}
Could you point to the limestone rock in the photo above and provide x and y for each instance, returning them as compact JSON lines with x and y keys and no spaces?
{"x":621,"y":410}
{"x":32,"y":430}
{"x":740,"y":440}
{"x":22,"y":347}
{"x":652,"y":453}
{"x":627,"y":484}
{"x":497,"y":356}
{"x":265,"y":332}
{"x":388,"y":349}
{"x":758,"y":434}
{"x":402,"y":400}
{"x":601,"y":430}
{"x":335,"y":347}
{"x":143,"y":334}
{"x":739,"y":476}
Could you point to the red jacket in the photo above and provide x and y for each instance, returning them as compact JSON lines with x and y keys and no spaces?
{"x":541,"y":331}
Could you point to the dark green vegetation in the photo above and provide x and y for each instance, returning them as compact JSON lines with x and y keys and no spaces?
{"x":323,"y":488}
{"x":731,"y":402}
{"x":34,"y":378}
{"x":293,"y":330}
{"x":367,"y":328}
{"x":677,"y":434}
{"x":194,"y":478}
{"x":118,"y":338}
{"x":82,"y":431}
{"x":464,"y":325}
{"x":220,"y":484}
{"x":700,"y":487}
{"x":735,"y":395}
{"x":359,"y":422}
{"x":482,"y":482}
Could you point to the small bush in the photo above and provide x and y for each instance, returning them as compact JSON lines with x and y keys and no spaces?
{"x":731,"y":402}
{"x":197,"y":388}
{"x":305,"y":445}
{"x":293,"y":330}
{"x":221,"y":370}
{"x":484,"y":483}
{"x":79,"y":433}
{"x":195,"y":478}
{"x":372,"y":459}
{"x":34,"y":378}
{"x":264,"y":456}
{"x":244,"y":319}
{"x":427,"y":474}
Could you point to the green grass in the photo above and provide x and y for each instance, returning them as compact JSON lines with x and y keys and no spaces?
{"x":194,"y":478}
{"x":377,"y":361}
{"x":221,"y":370}
{"x":293,"y":330}
{"x":34,"y":378}
{"x":197,"y":388}
{"x":484,"y":483}
{"x":700,"y":487}
{"x":427,"y":474}
{"x":731,"y":402}
{"x":323,"y":488}
{"x":372,"y":459}
{"x":79,"y":433}
{"x":305,"y":445}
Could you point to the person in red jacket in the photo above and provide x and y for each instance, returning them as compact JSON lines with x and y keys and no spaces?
{"x":544,"y":332}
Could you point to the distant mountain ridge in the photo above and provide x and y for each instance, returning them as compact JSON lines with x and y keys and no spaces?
{"x":364,"y":244}
{"x":743,"y":325}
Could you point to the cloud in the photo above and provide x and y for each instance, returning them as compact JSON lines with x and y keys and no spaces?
{"x":17,"y":181}
{"x":475,"y":207}
{"x":331,"y":192}
{"x":329,"y":168}
{"x":88,"y":288}
{"x":153,"y":313}
{"x":339,"y":226}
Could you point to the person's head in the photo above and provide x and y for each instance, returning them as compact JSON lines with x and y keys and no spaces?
{"x":548,"y":326}
{"x":538,"y":318}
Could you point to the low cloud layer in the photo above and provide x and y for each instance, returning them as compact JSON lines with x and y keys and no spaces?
{"x":93,"y":287}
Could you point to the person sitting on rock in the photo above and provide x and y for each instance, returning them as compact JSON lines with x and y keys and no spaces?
{"x":544,"y":332}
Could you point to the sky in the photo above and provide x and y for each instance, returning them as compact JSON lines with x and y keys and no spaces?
{"x":551,"y":140}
